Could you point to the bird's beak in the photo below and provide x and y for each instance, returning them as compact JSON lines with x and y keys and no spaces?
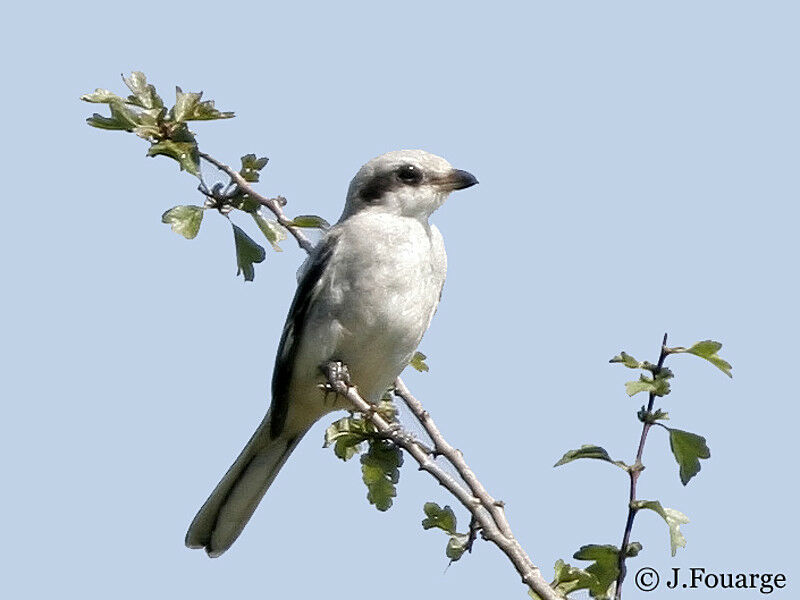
{"x":457,"y":180}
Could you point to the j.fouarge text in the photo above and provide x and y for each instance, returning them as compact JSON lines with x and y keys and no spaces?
{"x":698,"y":577}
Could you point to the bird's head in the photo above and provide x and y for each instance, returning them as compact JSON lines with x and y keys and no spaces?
{"x":411,"y":183}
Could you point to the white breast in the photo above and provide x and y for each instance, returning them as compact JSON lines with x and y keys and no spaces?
{"x":379,"y":295}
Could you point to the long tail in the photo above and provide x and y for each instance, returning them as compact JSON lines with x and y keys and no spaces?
{"x":229,"y":507}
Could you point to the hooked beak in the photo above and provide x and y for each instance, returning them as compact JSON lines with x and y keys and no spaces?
{"x":457,"y":180}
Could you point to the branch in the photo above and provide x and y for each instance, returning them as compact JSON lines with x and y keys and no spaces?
{"x":271,"y":203}
{"x":454,"y":456}
{"x":500,"y":531}
{"x":634,"y":472}
{"x":483,"y":508}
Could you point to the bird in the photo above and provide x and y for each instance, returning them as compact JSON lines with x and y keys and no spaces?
{"x":366,"y":295}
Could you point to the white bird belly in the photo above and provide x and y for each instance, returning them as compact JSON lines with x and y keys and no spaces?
{"x":376,"y":300}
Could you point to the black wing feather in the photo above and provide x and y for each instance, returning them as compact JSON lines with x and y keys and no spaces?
{"x":293,"y":334}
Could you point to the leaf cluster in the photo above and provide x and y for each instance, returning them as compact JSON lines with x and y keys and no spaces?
{"x":144,"y":114}
{"x":380,"y":463}
{"x":445,"y":519}
{"x":598,"y":578}
{"x":688,"y":448}
{"x":656,"y":383}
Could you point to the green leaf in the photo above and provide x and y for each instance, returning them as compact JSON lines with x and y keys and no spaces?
{"x":205,"y":111}
{"x":142,"y":94}
{"x":244,"y":202}
{"x":310,"y":221}
{"x":101,"y":96}
{"x":569,"y":579}
{"x":657,"y":386}
{"x":605,"y":567}
{"x":189,"y":108}
{"x":456,"y":546}
{"x":589,"y":451}
{"x":271,"y":230}
{"x":186,"y":153}
{"x":708,"y":349}
{"x":418,"y":362}
{"x":633,"y":549}
{"x":251,"y":167}
{"x":442,"y":518}
{"x":150,"y":124}
{"x":387,"y":409}
{"x":380,"y":470}
{"x":247,"y":253}
{"x":644,"y":384}
{"x":347,"y":447}
{"x":674,"y":519}
{"x":122,"y":118}
{"x":185,"y":104}
{"x":688,"y":448}
{"x":184,"y":220}
{"x":101,"y":122}
{"x":445,"y":519}
{"x":347,"y":436}
{"x":627,"y":360}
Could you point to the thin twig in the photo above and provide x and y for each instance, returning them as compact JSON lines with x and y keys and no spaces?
{"x":634,"y":472}
{"x":271,"y":203}
{"x":454,"y":456}
{"x":500,"y":531}
{"x":531,"y":576}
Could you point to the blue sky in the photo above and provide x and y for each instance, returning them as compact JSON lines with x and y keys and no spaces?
{"x":638,"y":175}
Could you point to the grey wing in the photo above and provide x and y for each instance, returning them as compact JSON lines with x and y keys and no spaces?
{"x":304,"y":298}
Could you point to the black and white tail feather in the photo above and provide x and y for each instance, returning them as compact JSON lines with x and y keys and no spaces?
{"x":229,"y":507}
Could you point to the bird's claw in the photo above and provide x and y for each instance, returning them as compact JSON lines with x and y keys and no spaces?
{"x":327,"y":390}
{"x":336,"y":372}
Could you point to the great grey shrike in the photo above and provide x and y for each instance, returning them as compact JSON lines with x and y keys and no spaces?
{"x":365,"y":297}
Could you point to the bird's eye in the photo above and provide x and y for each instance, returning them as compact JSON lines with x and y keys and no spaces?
{"x":409,"y":174}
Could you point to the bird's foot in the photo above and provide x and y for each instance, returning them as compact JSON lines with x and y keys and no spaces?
{"x":336,"y":372}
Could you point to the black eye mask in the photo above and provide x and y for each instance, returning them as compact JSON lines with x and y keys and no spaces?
{"x":389,"y":181}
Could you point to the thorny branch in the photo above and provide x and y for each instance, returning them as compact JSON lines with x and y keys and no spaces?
{"x":487,"y":513}
{"x":484,"y":509}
